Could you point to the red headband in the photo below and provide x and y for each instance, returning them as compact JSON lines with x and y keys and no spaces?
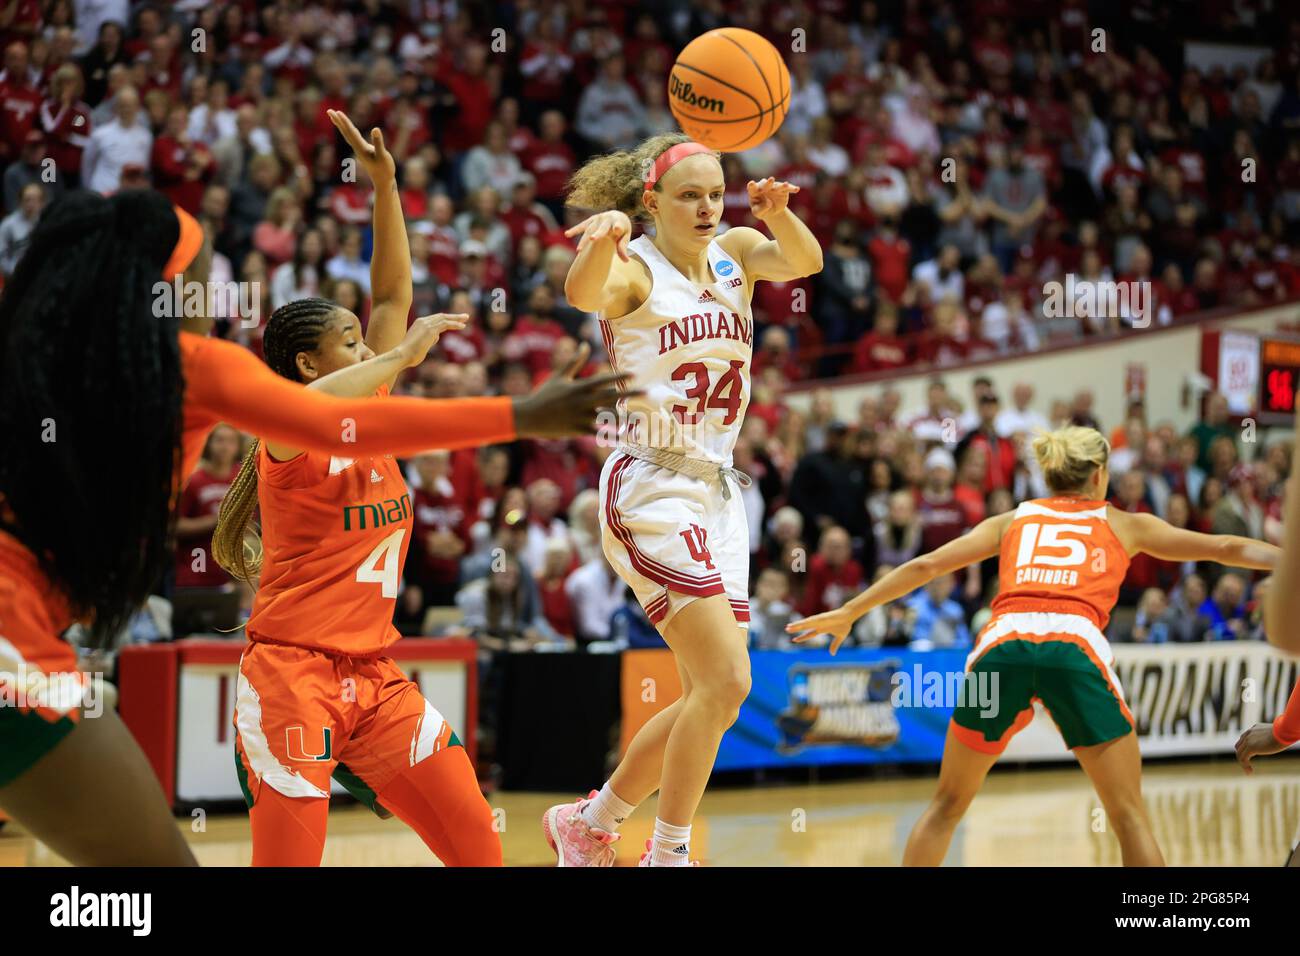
{"x":669,"y":157}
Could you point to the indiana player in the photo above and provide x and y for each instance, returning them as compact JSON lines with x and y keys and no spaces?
{"x":675,"y":315}
{"x":1061,"y":562}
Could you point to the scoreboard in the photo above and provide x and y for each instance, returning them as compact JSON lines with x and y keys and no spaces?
{"x":1279,"y":377}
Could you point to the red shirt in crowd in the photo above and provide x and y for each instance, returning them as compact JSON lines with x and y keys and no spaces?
{"x":201,"y":499}
{"x":826,"y":587}
{"x":876,"y":351}
{"x":438,"y":509}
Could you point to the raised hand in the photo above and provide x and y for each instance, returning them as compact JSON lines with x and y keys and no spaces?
{"x":767,"y":197}
{"x":424,"y":332}
{"x":837,"y":623}
{"x":374,"y":156}
{"x":565,"y":406}
{"x":613,"y":225}
{"x":1257,"y":742}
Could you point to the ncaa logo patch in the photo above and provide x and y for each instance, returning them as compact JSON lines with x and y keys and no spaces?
{"x":724,"y":268}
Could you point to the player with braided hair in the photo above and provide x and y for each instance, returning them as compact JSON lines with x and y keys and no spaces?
{"x":315,"y":674}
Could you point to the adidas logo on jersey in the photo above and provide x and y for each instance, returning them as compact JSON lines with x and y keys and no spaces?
{"x":375,"y":477}
{"x":706,"y":296}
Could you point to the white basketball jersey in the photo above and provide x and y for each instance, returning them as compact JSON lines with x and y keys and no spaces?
{"x":689,"y":347}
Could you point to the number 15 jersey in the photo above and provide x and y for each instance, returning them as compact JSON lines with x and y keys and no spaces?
{"x":690,"y":348}
{"x":335,"y":532}
{"x":1060,"y":554}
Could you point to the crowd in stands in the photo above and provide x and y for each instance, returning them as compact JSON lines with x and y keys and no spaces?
{"x":954,"y":159}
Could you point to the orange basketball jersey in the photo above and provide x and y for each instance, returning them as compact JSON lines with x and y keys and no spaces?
{"x":1060,"y":554}
{"x":335,"y":533}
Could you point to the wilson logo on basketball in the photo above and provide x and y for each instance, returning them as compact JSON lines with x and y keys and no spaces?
{"x":686,"y":95}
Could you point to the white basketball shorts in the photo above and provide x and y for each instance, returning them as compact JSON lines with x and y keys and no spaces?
{"x":674,"y":538}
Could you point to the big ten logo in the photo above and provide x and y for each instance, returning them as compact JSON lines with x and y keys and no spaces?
{"x":697,"y":544}
{"x":198,"y":820}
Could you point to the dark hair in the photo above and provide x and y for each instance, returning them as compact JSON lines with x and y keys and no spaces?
{"x":294,"y":327}
{"x":90,"y":378}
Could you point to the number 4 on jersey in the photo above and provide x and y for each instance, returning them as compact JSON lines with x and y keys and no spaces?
{"x":389,"y":551}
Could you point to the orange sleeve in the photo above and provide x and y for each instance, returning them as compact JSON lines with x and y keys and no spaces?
{"x":1286,"y":726}
{"x":232,"y":385}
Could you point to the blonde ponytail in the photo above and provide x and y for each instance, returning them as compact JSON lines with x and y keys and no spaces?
{"x":617,"y":180}
{"x":236,"y":546}
{"x":1069,"y":455}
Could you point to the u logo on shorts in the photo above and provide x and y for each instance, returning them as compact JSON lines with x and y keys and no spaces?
{"x":697,"y":543}
{"x":296,"y":748}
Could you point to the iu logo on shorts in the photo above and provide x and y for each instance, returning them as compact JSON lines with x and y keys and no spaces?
{"x":697,"y":543}
{"x":296,"y":747}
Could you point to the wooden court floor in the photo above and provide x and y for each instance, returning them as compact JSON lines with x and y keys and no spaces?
{"x":1205,"y":814}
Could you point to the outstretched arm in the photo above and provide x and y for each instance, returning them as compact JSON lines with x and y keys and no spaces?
{"x":225,"y":382}
{"x":365,"y":378}
{"x":390,"y":262}
{"x":231,"y":384}
{"x":1147,"y":533}
{"x":793,"y":251}
{"x":982,"y":542}
{"x":594,"y":284}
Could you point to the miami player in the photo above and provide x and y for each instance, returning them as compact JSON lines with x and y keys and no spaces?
{"x":675,"y":314}
{"x":1061,"y":562}
{"x":317,"y":695}
{"x":89,"y":364}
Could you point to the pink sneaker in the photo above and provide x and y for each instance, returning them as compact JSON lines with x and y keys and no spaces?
{"x":574,"y":841}
{"x":645,"y":857}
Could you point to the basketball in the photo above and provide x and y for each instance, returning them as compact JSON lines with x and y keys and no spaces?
{"x":729,"y":89}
